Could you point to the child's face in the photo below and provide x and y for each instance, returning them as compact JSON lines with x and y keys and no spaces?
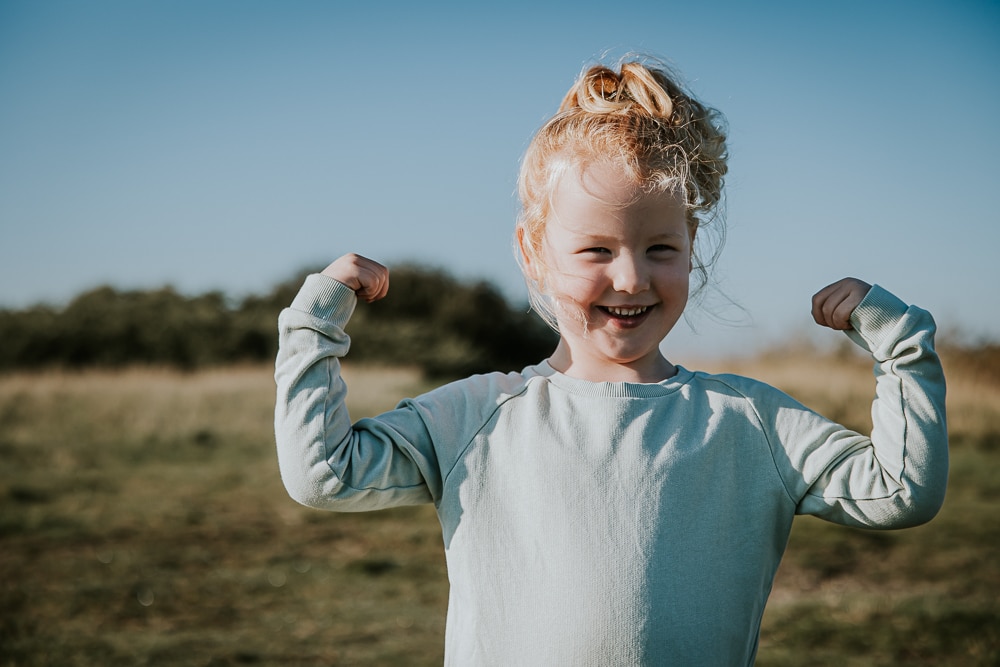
{"x":617,"y":261}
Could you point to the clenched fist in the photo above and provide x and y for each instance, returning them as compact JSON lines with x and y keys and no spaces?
{"x":368,"y":278}
{"x":832,"y":306}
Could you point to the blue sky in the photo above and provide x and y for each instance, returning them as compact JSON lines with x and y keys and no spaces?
{"x":226,"y":145}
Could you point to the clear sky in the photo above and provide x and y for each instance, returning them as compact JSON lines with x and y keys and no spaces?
{"x":227,"y":144}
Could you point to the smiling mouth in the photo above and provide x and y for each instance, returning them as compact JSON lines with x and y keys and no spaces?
{"x":626,"y":312}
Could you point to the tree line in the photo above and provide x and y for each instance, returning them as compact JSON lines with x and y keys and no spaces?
{"x":431,"y":320}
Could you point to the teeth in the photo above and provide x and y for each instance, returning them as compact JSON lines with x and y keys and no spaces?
{"x":627,"y":312}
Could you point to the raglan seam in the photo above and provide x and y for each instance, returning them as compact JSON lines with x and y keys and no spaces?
{"x":763,"y":430}
{"x":460,"y":455}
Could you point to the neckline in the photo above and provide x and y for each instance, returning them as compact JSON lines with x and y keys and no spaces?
{"x":616,"y":389}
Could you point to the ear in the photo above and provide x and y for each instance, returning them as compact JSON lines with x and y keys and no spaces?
{"x":527,"y":262}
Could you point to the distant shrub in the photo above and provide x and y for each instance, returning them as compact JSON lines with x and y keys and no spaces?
{"x":430,"y":320}
{"x":447,"y":327}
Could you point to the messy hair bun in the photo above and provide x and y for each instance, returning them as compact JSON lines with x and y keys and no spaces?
{"x":601,"y":90}
{"x":642,"y":120}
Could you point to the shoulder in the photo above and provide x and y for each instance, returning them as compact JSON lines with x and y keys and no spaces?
{"x":735,"y":390}
{"x":731,"y":384}
{"x":474,"y":398}
{"x":496,"y":383}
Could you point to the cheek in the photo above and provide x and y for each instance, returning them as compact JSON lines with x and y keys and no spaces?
{"x":572,"y":283}
{"x":676,"y":280}
{"x":683,"y":279}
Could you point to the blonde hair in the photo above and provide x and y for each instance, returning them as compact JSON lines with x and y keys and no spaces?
{"x":641,"y":120}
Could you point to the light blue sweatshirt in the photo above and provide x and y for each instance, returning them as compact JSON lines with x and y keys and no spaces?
{"x":612,"y":523}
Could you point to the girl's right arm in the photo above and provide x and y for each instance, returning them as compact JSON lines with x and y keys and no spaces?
{"x":326,"y":461}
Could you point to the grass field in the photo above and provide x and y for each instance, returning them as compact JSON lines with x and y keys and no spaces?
{"x":143,"y":523}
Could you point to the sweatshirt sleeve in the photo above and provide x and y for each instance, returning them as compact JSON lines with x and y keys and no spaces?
{"x":897,"y":477}
{"x":327,"y":462}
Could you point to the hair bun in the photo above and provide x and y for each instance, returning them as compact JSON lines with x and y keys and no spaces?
{"x":634,"y":90}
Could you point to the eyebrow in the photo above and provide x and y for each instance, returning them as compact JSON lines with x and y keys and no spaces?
{"x":669,"y":235}
{"x":603,"y":239}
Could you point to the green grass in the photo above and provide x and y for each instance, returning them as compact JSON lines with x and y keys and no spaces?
{"x":142,"y":522}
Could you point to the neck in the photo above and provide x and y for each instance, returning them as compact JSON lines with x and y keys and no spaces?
{"x":651,"y":369}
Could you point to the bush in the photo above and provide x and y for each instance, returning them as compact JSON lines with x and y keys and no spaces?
{"x":447,"y":328}
{"x":429,"y":320}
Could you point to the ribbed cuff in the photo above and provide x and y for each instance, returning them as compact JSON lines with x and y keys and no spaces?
{"x":326,"y":298}
{"x":877,"y":316}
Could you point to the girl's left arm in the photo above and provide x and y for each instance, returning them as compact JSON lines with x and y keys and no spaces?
{"x":897,"y":477}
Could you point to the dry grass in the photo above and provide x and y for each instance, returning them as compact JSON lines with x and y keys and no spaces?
{"x":143,"y":523}
{"x":925,"y":596}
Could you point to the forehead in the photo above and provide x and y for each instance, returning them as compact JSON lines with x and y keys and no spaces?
{"x":602,"y":197}
{"x":603,"y":181}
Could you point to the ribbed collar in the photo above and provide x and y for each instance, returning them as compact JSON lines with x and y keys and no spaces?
{"x":614,"y":389}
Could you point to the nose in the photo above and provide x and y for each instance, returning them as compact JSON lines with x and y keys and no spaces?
{"x":629,"y":274}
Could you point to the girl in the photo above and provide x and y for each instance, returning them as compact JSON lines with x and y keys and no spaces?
{"x":607,"y":506}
